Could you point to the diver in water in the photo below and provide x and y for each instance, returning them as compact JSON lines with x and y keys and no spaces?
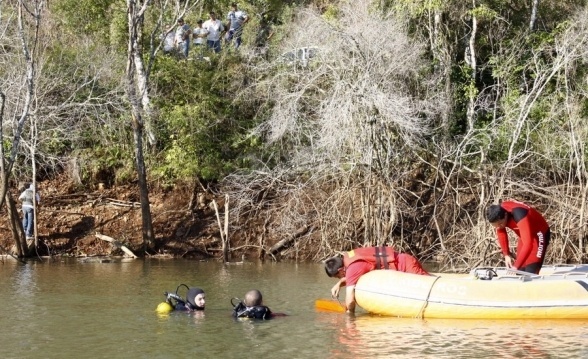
{"x":252,"y":307}
{"x":195,"y":300}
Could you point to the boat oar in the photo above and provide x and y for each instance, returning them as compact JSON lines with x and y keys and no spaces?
{"x":329,"y":305}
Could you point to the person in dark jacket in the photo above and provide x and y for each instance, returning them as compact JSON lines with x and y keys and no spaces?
{"x":252,"y":307}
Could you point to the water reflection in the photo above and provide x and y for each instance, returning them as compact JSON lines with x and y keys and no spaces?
{"x":366,"y":335}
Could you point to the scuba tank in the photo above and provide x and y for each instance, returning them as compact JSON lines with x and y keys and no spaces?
{"x":173,"y":301}
{"x":239,"y":309}
{"x":164,"y":308}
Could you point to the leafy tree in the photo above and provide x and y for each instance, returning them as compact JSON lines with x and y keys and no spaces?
{"x":90,"y":18}
{"x":202,"y":125}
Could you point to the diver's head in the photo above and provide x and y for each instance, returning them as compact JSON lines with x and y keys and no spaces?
{"x":196,"y":298}
{"x":253,"y":298}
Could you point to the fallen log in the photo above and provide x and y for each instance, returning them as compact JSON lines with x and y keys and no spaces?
{"x":286,"y":242}
{"x":119,"y":203}
{"x":116,"y":244}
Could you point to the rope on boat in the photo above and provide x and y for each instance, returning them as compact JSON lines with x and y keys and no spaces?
{"x":422,"y":311}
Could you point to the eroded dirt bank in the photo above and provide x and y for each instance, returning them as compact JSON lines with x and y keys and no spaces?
{"x":69,"y":217}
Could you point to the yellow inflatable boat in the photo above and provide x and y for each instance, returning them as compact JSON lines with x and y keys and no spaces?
{"x":486,"y":293}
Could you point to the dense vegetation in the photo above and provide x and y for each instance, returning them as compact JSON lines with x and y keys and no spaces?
{"x":409,"y":120}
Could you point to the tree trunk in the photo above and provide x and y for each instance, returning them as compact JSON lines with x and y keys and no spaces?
{"x":441,"y":54}
{"x":534,"y":12}
{"x":33,"y":139}
{"x":3,"y":169}
{"x":135,"y":70}
{"x":473,"y":65}
{"x":20,"y":242}
{"x":142,"y":82}
{"x":147,"y":224}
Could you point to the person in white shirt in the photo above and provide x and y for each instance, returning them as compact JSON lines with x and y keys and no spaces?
{"x":214,"y":27}
{"x":198,"y":36}
{"x":29,"y":198}
{"x":237,"y":19}
{"x":168,"y":37}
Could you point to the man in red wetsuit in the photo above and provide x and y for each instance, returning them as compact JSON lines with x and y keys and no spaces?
{"x":529,"y":225}
{"x":357,"y":262}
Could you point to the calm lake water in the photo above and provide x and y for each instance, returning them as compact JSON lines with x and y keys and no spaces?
{"x":59,"y":308}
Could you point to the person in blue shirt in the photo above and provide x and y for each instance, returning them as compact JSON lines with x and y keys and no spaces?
{"x":183,"y":38}
{"x":237,"y":18}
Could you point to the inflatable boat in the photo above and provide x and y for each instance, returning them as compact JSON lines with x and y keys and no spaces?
{"x":485,"y":293}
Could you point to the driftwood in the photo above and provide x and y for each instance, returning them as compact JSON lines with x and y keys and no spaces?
{"x":89,"y":198}
{"x":224,"y":233}
{"x":119,"y":203}
{"x":286,"y":242}
{"x":116,"y":244}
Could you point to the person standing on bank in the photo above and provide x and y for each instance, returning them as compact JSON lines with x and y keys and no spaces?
{"x":237,"y":18}
{"x":29,"y":199}
{"x":199,"y":37}
{"x":214,"y":29}
{"x":355,"y":263}
{"x":183,"y":38}
{"x":531,"y":228}
{"x":169,"y":38}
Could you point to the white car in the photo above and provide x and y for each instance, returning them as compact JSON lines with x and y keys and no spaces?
{"x":299,"y":56}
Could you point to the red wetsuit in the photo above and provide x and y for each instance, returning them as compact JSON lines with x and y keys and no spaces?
{"x":533,"y":232}
{"x":362,"y":260}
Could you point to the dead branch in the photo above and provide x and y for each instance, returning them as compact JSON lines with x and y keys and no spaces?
{"x":116,"y":244}
{"x":286,"y":242}
{"x":119,"y":203}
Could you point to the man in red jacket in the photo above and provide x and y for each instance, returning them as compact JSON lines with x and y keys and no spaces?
{"x":357,"y":262}
{"x":529,"y":225}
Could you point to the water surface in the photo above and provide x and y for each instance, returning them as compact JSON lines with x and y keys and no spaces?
{"x":71,"y":308}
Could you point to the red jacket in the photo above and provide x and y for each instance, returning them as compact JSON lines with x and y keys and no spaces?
{"x":529,"y":225}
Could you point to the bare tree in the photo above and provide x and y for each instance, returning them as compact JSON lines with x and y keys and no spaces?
{"x":349,"y":102}
{"x":136,"y":12}
{"x":28,"y":45}
{"x":58,"y":101}
{"x":137,"y":84}
{"x":348,"y":125}
{"x":544,"y":162}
